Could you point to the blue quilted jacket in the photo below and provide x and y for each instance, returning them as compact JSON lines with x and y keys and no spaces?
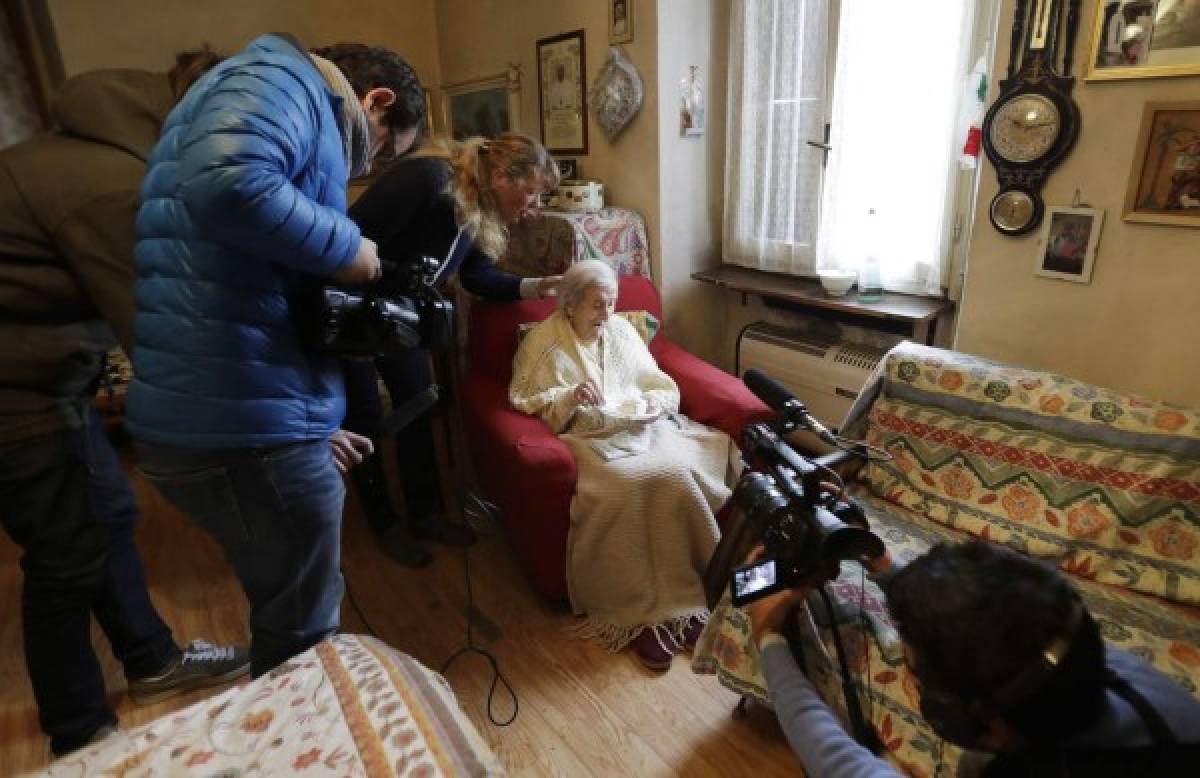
{"x":242,"y":216}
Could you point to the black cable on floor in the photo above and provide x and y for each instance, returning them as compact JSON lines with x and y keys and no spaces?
{"x":480,"y":507}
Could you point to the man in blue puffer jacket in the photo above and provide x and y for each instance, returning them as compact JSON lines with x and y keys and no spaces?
{"x":243,"y":213}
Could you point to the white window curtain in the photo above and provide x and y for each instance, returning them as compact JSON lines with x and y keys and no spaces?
{"x":777,"y":99}
{"x":897,"y":87}
{"x":895,"y":140}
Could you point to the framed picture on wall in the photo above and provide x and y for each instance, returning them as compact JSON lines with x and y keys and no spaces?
{"x":561,"y":69}
{"x":1067,"y":249}
{"x":1144,"y":39}
{"x":1164,"y":185}
{"x":620,"y":21}
{"x":483,"y":106}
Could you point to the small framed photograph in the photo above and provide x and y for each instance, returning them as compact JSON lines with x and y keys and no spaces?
{"x":482,"y":106}
{"x":561,"y":101}
{"x":1164,"y":185}
{"x":1144,"y":39}
{"x":568,"y":169}
{"x":620,"y":21}
{"x":1067,"y":248}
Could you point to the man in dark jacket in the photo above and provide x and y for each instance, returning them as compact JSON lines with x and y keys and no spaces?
{"x":243,"y":215}
{"x":1009,"y":664}
{"x":67,"y":205}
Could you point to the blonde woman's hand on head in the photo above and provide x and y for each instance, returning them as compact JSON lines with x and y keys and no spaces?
{"x":547,"y":286}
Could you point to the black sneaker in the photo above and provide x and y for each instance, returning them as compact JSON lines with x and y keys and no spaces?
{"x":439,"y":530}
{"x":201,"y":664}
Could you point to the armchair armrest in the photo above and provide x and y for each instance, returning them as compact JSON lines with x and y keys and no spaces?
{"x":707,"y":394}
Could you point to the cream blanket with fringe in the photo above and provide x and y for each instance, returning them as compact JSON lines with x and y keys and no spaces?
{"x":650,"y":480}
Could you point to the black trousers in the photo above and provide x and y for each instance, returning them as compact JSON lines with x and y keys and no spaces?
{"x":65,"y":500}
{"x":405,"y":377}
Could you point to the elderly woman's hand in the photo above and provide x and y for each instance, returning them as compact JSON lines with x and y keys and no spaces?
{"x":588,"y":393}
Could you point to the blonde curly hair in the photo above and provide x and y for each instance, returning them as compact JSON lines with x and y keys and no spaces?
{"x":472,"y":162}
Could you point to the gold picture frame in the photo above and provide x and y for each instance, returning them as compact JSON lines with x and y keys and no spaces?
{"x":562,"y":99}
{"x":482,"y":106}
{"x":1164,"y":184}
{"x":1143,"y":39}
{"x":620,"y":21}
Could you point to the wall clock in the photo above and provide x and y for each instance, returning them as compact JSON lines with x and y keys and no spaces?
{"x":1034,"y":122}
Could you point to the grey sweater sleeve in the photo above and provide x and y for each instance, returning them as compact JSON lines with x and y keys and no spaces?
{"x":816,"y":736}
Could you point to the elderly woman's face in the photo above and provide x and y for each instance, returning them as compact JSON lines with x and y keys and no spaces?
{"x":591,"y":311}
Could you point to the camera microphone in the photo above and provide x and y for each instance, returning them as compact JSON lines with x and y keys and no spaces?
{"x":778,"y":398}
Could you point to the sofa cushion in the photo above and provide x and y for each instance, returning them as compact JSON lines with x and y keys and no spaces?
{"x":1104,"y":484}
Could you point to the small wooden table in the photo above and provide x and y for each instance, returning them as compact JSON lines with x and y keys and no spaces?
{"x":902,"y":313}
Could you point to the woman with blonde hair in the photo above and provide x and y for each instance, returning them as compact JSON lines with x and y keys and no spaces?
{"x":453,"y":201}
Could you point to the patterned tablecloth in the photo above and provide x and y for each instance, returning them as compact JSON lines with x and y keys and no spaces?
{"x":550,"y":244}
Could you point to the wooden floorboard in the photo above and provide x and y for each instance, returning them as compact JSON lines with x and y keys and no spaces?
{"x":583,"y":710}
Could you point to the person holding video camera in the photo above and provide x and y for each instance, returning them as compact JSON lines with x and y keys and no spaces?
{"x":243,"y":217}
{"x":1009,"y":662}
{"x":453,"y":202}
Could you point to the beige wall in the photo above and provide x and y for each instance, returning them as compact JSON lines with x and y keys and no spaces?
{"x":691,"y":171}
{"x":1135,"y":327}
{"x":479,"y":38}
{"x":146,"y":33}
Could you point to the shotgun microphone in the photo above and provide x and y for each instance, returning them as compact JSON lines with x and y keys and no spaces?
{"x":779,"y":399}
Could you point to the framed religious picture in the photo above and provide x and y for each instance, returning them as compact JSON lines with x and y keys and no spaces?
{"x":620,"y":21}
{"x":1144,"y":39}
{"x":1067,"y":249}
{"x":483,"y":106}
{"x":1164,"y":185}
{"x":561,"y":69}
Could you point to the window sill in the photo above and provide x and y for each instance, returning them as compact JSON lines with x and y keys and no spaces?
{"x":907,"y":314}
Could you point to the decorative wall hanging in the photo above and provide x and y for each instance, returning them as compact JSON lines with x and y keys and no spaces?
{"x":483,"y":106}
{"x":1034,"y":122}
{"x":1164,"y":185}
{"x":1067,"y":249}
{"x":1144,"y":39}
{"x":616,"y":94}
{"x":561,"y":69}
{"x":691,"y":105}
{"x":620,"y":21}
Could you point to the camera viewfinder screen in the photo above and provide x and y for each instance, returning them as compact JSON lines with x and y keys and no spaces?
{"x":754,"y":579}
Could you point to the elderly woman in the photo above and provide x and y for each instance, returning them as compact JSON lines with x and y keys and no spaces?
{"x":649,"y":480}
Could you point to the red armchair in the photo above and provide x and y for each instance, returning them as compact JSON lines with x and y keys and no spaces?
{"x":523,"y":467}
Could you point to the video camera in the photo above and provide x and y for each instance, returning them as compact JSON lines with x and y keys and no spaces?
{"x":806,"y":530}
{"x":400,"y":311}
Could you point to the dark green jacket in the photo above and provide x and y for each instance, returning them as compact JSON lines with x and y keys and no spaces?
{"x":68,"y":200}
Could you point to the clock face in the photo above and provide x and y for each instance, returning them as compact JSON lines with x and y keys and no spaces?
{"x":1014,"y":211}
{"x":1025,"y":128}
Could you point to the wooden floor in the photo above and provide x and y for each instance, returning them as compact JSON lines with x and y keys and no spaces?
{"x":583,"y":711}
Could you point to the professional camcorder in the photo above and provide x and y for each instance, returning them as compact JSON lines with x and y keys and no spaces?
{"x":400,"y":311}
{"x":806,"y":531}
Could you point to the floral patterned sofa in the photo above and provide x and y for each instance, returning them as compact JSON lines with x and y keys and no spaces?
{"x":1102,"y":484}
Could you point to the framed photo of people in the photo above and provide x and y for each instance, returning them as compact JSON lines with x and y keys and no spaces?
{"x":620,"y":21}
{"x":1144,"y":39}
{"x":1164,"y":184}
{"x":1067,"y":249}
{"x":561,"y":101}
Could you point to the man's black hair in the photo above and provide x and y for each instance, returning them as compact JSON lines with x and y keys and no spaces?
{"x":976,"y":616}
{"x":370,"y":67}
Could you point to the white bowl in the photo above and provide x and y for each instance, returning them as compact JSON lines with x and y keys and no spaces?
{"x":837,"y":284}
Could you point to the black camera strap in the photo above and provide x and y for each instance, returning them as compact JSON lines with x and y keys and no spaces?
{"x":405,"y":414}
{"x":861,"y":728}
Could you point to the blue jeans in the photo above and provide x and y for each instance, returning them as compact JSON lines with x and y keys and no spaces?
{"x":65,"y":500}
{"x":277,"y":513}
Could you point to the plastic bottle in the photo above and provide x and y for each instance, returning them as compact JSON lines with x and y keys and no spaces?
{"x":870,"y":285}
